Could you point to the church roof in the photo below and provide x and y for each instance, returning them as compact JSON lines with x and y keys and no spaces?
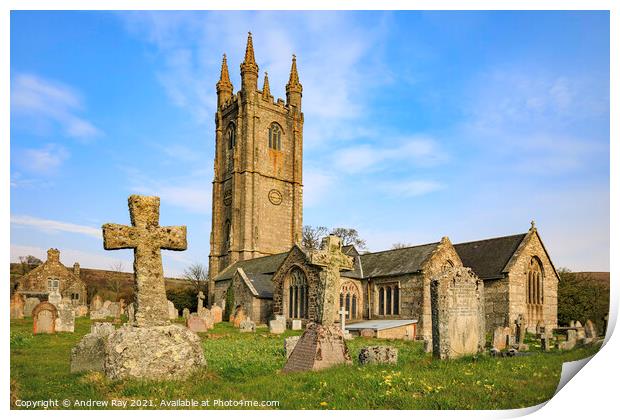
{"x":261,"y":265}
{"x":396,"y":261}
{"x":356,"y":272}
{"x":489,"y":257}
{"x":262,"y":284}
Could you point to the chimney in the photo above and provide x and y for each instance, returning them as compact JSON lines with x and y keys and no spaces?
{"x":53,"y":255}
{"x":76,"y":269}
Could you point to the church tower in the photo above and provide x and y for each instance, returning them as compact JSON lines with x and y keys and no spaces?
{"x":257,"y":183}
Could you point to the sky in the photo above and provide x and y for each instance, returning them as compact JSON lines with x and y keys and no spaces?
{"x":418,"y":125}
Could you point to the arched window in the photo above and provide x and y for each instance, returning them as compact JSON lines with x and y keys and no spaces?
{"x":275,"y":136}
{"x":297,"y":294}
{"x":231,"y":138}
{"x":350,"y":295}
{"x":227,"y":236}
{"x":381,"y":301}
{"x":534,"y":292}
{"x":389,"y":300}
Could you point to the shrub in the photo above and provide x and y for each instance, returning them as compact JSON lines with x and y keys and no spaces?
{"x":183,"y":298}
{"x":581,"y":297}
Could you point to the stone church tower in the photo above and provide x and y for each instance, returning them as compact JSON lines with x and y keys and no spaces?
{"x":257,"y":184}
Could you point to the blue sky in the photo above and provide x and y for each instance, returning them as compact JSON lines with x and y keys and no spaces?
{"x":418,"y":125}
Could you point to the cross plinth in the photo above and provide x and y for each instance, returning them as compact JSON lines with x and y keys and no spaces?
{"x":331,"y":260}
{"x":343,"y":316}
{"x":147,"y":239}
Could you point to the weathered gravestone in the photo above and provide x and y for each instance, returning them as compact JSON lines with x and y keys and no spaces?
{"x":89,"y":354}
{"x":278,"y":325}
{"x":185,"y":313}
{"x":217,"y":314}
{"x":501,"y":338}
{"x":81,"y":310}
{"x":30,"y":304}
{"x":201,"y":298}
{"x":131,"y":313}
{"x":54,"y":297}
{"x":196,"y":323}
{"x":570,"y":342}
{"x":457,"y":308}
{"x":580,"y":330}
{"x":247,"y":326}
{"x":296,"y":324}
{"x":44,"y":318}
{"x":520,"y":329}
{"x":150,"y":347}
{"x":590,"y":329}
{"x":114,"y":309}
{"x":96,"y":303}
{"x":66,"y":318}
{"x":17,"y":306}
{"x":239,"y":316}
{"x":173,"y":313}
{"x":322,"y":343}
{"x":375,"y":355}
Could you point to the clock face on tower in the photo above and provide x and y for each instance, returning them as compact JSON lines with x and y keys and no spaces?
{"x":275,"y":197}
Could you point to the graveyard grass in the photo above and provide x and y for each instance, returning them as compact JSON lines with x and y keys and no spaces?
{"x":245,"y":366}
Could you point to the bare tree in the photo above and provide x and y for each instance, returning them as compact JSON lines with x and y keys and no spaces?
{"x":399,"y":245}
{"x":311,"y":236}
{"x":198,"y":275}
{"x":349,"y":237}
{"x":114,"y":282}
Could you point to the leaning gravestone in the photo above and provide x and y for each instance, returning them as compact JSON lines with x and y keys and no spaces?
{"x":89,"y":354}
{"x":17,"y":306}
{"x":30,"y":304}
{"x":150,"y":347}
{"x":322,"y":344}
{"x":66,"y":318}
{"x":44,"y":318}
{"x":457,"y":308}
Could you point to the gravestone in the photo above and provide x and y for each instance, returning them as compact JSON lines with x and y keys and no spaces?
{"x":150,"y":347}
{"x":196,"y":323}
{"x":217,"y":313}
{"x":501,"y":338}
{"x":289,"y":345}
{"x":131,"y":313}
{"x":114,"y":309}
{"x":378,"y":355}
{"x":571,"y":341}
{"x":247,"y":326}
{"x":239,"y":316}
{"x":96,"y":303}
{"x":17,"y":306}
{"x":90,"y":352}
{"x":44,"y":318}
{"x":208,"y":317}
{"x":322,"y":344}
{"x":343,"y":317}
{"x":55,"y":298}
{"x":173,"y":313}
{"x":30,"y":304}
{"x":590,"y":329}
{"x":278,"y":325}
{"x":457,"y":308}
{"x":66,"y":318}
{"x":81,"y":311}
{"x":520,"y":329}
{"x":185,"y":313}
{"x":580,"y":330}
{"x":296,"y":324}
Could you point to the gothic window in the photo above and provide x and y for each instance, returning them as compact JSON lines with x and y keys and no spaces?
{"x":534,"y":292}
{"x":227,"y":236}
{"x":389,"y":300}
{"x":230,"y":136}
{"x":297,"y":294}
{"x":275,"y":136}
{"x":349,"y":298}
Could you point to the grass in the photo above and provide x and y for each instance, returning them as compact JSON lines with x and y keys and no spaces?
{"x":247,"y":367}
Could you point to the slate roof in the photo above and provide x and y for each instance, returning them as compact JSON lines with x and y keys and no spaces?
{"x":356,"y":273}
{"x":263,"y":285}
{"x":396,"y":261}
{"x":260,"y":265}
{"x":488,"y":257}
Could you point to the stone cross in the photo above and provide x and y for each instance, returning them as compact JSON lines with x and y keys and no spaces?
{"x":343,"y":314}
{"x":201,"y":297}
{"x":331,"y":260}
{"x":147,"y":239}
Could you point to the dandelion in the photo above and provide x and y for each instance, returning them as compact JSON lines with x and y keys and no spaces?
{"x":323,"y":404}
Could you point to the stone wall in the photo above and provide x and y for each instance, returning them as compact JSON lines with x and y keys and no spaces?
{"x":404,"y":332}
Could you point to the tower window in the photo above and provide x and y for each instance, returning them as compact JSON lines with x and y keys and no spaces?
{"x":230,"y":135}
{"x":275,"y":136}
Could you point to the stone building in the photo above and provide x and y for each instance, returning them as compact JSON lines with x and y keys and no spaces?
{"x":256,"y":225}
{"x":53,"y":276}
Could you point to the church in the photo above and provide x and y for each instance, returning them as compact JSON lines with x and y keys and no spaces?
{"x":257,"y":223}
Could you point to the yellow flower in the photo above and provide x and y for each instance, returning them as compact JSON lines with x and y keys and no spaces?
{"x":323,"y":404}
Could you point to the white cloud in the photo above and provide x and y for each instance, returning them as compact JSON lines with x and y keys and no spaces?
{"x":45,"y":160}
{"x":54,"y":226}
{"x":37,"y":99}
{"x":68,"y":256}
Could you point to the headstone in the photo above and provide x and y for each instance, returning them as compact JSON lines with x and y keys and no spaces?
{"x":54,"y":298}
{"x":374,"y":355}
{"x":81,"y":311}
{"x":501,"y":338}
{"x":289,"y":345}
{"x":66,"y":319}
{"x":196,"y":323}
{"x":44,"y":318}
{"x":150,"y":347}
{"x":201,"y":298}
{"x":343,"y":316}
{"x":296,"y":324}
{"x":89,"y":354}
{"x":114,"y":309}
{"x":207,"y":316}
{"x":185,"y":313}
{"x":278,"y":325}
{"x":571,"y":341}
{"x":30,"y":304}
{"x":96,"y":303}
{"x":247,"y":326}
{"x":520,"y":329}
{"x":322,"y":344}
{"x":131,"y":313}
{"x":239,"y":316}
{"x":458,"y":317}
{"x":217,"y":313}
{"x":590,"y":329}
{"x":571,"y":324}
{"x":17,"y":306}
{"x":173,"y":313}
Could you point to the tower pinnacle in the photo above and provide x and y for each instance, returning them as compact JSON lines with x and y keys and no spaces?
{"x":249,"y":68}
{"x":266,"y":90}
{"x":224,"y":87}
{"x":293,"y":87}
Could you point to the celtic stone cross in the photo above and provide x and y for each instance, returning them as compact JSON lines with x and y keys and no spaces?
{"x":147,"y":239}
{"x":331,"y":261}
{"x":343,"y":316}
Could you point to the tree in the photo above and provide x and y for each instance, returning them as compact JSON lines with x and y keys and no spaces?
{"x":198,"y":275}
{"x":581,"y":297}
{"x":311,"y":236}
{"x":400,"y":245}
{"x":28,"y":262}
{"x":349,"y":237}
{"x":114,"y":281}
